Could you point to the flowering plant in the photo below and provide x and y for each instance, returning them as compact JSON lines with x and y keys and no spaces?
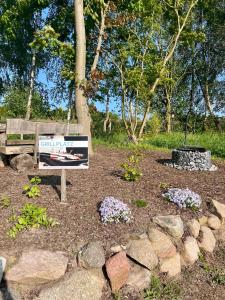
{"x":113,"y":210}
{"x":184,"y":198}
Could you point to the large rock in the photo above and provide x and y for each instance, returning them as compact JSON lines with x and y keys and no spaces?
{"x":143,"y":252}
{"x":207,"y":240}
{"x":171,"y":223}
{"x":171,"y":266}
{"x":194,"y":227}
{"x":2,"y":266}
{"x":214,"y":222}
{"x":161,"y":243}
{"x":117,"y":268}
{"x":22,"y":162}
{"x":220,"y":233}
{"x":80,"y":285}
{"x":139,"y":277}
{"x":190,"y":251}
{"x":37,"y":267}
{"x":220,"y":208}
{"x":9,"y":293}
{"x":92,"y":255}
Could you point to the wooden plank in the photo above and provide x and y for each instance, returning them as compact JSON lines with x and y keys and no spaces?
{"x":2,"y":138}
{"x":2,"y":127}
{"x":19,"y":142}
{"x":18,"y":126}
{"x":8,"y":150}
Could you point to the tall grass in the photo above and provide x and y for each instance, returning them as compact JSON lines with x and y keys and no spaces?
{"x":215,"y":142}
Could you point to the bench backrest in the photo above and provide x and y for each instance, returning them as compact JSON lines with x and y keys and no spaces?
{"x":20,"y":126}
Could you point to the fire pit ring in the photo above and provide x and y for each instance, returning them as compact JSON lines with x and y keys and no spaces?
{"x":192,"y":159}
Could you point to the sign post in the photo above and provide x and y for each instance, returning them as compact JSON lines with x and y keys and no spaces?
{"x":63,"y":152}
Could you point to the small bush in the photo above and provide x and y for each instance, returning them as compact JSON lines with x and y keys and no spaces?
{"x":184,"y":198}
{"x":155,"y":124}
{"x":31,"y":216}
{"x":131,"y":168}
{"x":140,"y":203}
{"x":113,"y":210}
{"x":32,"y":190}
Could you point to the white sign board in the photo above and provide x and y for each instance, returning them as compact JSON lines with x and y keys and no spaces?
{"x":63,"y":152}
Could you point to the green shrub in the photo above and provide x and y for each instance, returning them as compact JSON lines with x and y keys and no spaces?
{"x":140,"y":203}
{"x":5,"y":202}
{"x":31,"y":216}
{"x":131,"y":168}
{"x":154,"y":124}
{"x":32,"y":190}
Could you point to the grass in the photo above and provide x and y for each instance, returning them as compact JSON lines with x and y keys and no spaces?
{"x":215,"y":142}
{"x":159,"y":290}
{"x":140,"y":203}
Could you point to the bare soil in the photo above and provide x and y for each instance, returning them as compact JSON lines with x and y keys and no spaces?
{"x":79,"y":218}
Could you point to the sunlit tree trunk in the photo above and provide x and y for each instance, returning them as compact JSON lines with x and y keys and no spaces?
{"x":31,"y":89}
{"x":82,"y":109}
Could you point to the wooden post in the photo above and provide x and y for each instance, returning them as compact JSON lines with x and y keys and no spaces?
{"x":63,"y":176}
{"x":63,"y":186}
{"x":36,"y":143}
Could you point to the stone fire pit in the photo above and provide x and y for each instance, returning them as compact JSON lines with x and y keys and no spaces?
{"x":192,"y":159}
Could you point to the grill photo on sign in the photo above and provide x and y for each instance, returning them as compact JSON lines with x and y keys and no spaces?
{"x":63,"y":152}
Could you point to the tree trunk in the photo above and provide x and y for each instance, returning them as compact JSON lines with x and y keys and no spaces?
{"x":82,"y":109}
{"x":107,"y":121}
{"x":168,"y":111}
{"x":31,"y":90}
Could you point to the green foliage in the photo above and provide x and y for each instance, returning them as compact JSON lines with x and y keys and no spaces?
{"x":159,"y":290}
{"x":32,"y":190}
{"x":154,"y":124}
{"x":31,"y":216}
{"x":15,"y":103}
{"x":140,"y":203}
{"x":5,"y":202}
{"x":164,"y":186}
{"x":214,"y":274}
{"x":131,"y":168}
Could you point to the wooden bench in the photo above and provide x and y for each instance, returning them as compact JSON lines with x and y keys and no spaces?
{"x":22,"y":127}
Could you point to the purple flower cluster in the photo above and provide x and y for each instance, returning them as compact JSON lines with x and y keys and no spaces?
{"x":184,"y":198}
{"x":113,"y":210}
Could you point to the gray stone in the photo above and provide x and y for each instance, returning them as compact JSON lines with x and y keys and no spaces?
{"x":190,"y":251}
{"x":171,"y":223}
{"x":37,"y":267}
{"x":80,"y":285}
{"x":207,"y":240}
{"x":22,"y":162}
{"x":9,"y":293}
{"x":143,"y":252}
{"x":92,"y":255}
{"x":2,"y":266}
{"x":214,"y":222}
{"x":194,"y":227}
{"x":220,"y":208}
{"x":161,"y":243}
{"x":139,"y":277}
{"x":171,"y":266}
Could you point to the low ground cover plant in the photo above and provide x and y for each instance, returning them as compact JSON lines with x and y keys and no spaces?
{"x":140,"y":203}
{"x":5,"y":202}
{"x":215,"y":275}
{"x":131,"y":168}
{"x":159,"y":290}
{"x":184,"y":198}
{"x":113,"y":210}
{"x":30,"y":216}
{"x":32,"y":190}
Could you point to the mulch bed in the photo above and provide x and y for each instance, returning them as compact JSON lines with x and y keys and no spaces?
{"x":79,"y":219}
